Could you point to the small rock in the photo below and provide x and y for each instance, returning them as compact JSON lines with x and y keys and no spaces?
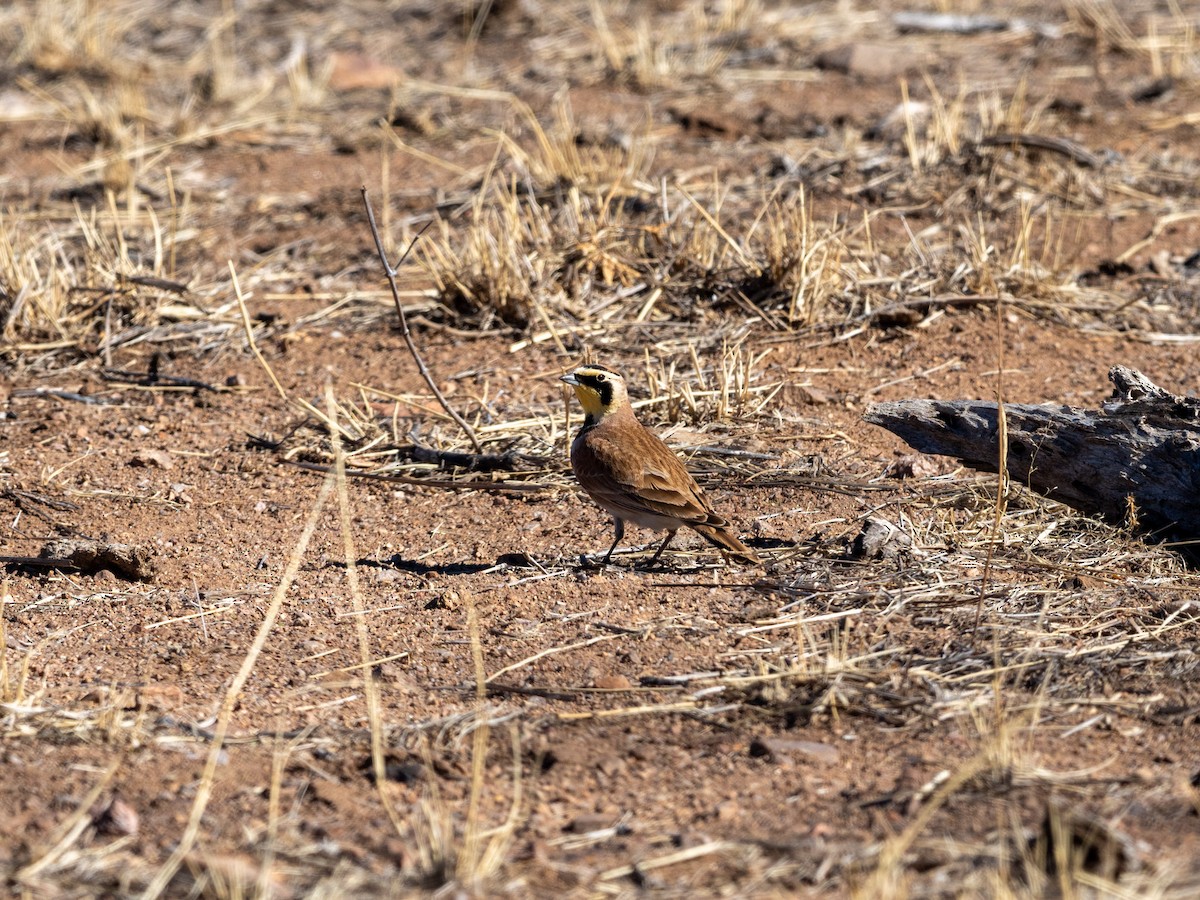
{"x":90,"y":556}
{"x":756,"y":611}
{"x":1155,"y":90}
{"x":613,"y":683}
{"x":443,"y":601}
{"x":159,"y":696}
{"x":610,"y":766}
{"x":397,"y":679}
{"x":587,"y":823}
{"x":1160,"y":264}
{"x":775,"y":748}
{"x":812,"y":396}
{"x":869,"y":60}
{"x":913,"y":465}
{"x":894,"y":126}
{"x":117,"y":817}
{"x":353,"y":71}
{"x":567,"y":754}
{"x":152,"y":458}
{"x":916,"y":21}
{"x":880,"y":539}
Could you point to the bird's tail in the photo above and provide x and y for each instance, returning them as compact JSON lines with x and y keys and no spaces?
{"x":718,"y":535}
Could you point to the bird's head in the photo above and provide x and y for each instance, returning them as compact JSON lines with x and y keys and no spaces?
{"x":600,"y":390}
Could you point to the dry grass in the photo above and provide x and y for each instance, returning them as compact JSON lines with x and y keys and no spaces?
{"x":639,"y":52}
{"x":821,"y":649}
{"x":1165,"y":40}
{"x":557,"y":232}
{"x":571,"y":235}
{"x":827,"y":654}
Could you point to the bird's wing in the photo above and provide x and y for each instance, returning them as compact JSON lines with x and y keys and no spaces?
{"x":640,"y":474}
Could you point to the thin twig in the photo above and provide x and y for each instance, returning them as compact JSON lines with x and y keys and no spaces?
{"x":390,"y":271}
{"x":1067,"y":148}
{"x":151,"y":378}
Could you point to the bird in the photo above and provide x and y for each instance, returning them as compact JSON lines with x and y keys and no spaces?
{"x":632,"y":474}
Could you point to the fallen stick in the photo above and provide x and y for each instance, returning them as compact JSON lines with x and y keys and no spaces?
{"x":127,"y":561}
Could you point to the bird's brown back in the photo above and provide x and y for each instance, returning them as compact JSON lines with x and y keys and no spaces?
{"x":625,"y":466}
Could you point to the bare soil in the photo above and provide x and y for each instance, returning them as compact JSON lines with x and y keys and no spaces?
{"x":825,"y":724}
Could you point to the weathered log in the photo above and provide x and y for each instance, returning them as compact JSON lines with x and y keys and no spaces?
{"x":1134,"y":461}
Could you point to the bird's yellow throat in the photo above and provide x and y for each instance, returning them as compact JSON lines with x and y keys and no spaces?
{"x":589,"y":399}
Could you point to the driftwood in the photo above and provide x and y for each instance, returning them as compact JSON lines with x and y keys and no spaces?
{"x":1136,"y":461}
{"x":126,"y":561}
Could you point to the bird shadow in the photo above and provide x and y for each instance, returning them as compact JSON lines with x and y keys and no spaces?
{"x":673,"y":561}
{"x":630,"y":561}
{"x":416,"y":567}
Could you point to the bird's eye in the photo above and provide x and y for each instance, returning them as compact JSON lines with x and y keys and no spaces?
{"x":600,"y":377}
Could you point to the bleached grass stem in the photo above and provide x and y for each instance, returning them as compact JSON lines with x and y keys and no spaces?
{"x":370,"y":685}
{"x":204,"y":789}
{"x":241,"y":301}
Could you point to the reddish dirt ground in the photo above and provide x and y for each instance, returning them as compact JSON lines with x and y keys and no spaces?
{"x":223,"y":519}
{"x":692,"y":729}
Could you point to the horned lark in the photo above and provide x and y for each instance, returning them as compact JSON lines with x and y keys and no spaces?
{"x":631,"y":473}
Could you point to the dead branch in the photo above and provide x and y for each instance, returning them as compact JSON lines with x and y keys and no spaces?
{"x":72,"y":396}
{"x":473,"y":462}
{"x":1136,"y":461}
{"x":124,"y":560}
{"x":520,"y":487}
{"x":152,"y":378}
{"x":390,"y":271}
{"x":1068,"y":148}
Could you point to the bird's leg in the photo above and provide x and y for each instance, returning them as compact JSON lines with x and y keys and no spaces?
{"x":619,"y":528}
{"x":661,"y":548}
